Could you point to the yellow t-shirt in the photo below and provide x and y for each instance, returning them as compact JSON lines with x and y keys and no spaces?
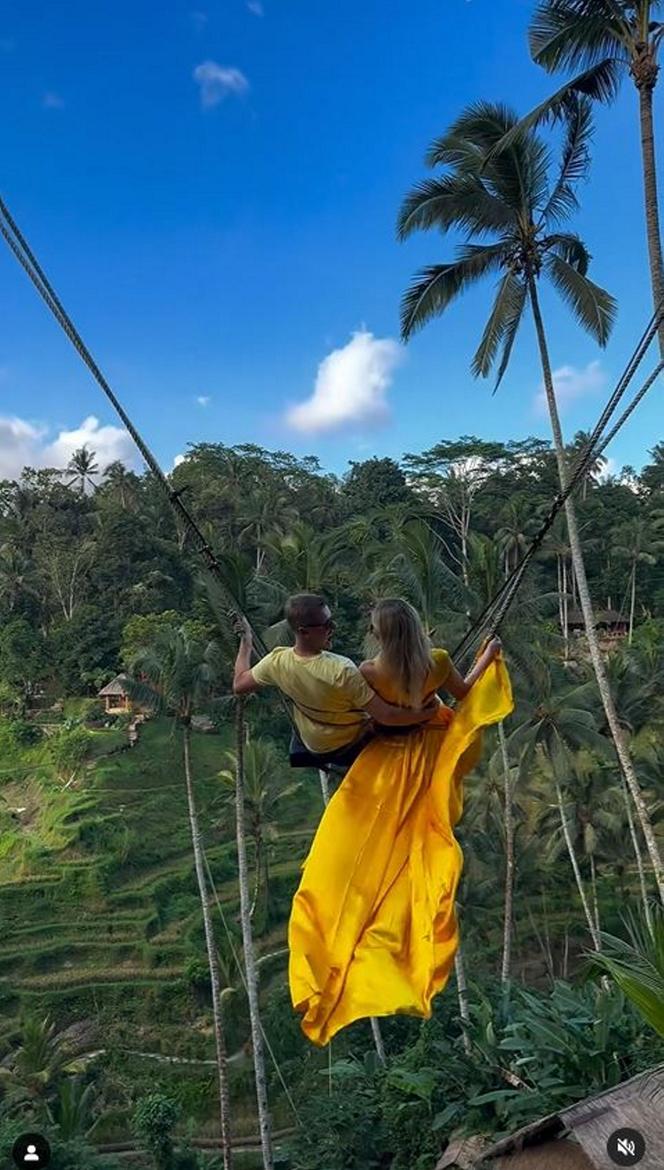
{"x":328,"y":693}
{"x":388,"y":689}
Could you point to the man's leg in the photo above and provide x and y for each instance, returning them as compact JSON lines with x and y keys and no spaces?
{"x":342,"y":758}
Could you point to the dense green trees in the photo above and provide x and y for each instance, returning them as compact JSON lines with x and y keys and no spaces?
{"x":96,"y":577}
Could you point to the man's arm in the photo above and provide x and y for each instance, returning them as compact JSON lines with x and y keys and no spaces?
{"x":391,"y":716}
{"x":458,"y":686}
{"x":388,"y":714}
{"x":244,"y":682}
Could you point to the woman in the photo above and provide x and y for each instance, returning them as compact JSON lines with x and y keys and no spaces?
{"x":407,"y":672}
{"x":373,"y":930}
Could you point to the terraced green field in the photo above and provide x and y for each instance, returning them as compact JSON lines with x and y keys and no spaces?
{"x":100,"y":924}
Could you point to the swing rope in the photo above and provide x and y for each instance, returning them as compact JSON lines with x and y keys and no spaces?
{"x":495,"y":611}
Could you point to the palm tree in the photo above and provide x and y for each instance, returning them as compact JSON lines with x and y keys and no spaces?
{"x":251,"y":971}
{"x":414,"y":566}
{"x":510,"y":204}
{"x":516,"y":522}
{"x":17,"y":575}
{"x":608,"y":40}
{"x":302,"y":559}
{"x":178,"y":671}
{"x":265,"y":791}
{"x":264,"y":511}
{"x":121,"y":485}
{"x":82,"y":468}
{"x":639,"y":542}
{"x":557,"y":724}
{"x":652,"y":476}
{"x":72,"y":1110}
{"x":557,"y":545}
{"x":577,"y":448}
{"x":508,"y":806}
{"x":637,"y":965}
{"x":593,"y":811}
{"x":31,"y":1075}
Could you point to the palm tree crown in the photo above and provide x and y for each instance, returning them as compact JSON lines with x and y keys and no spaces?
{"x":510,"y":206}
{"x":82,"y":468}
{"x":607,"y":40}
{"x":604,"y":38}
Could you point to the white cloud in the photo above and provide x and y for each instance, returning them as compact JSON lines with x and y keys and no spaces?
{"x":570,"y":383}
{"x":351,"y":386}
{"x":177,"y":461}
{"x":217,"y":81}
{"x":203,"y":399}
{"x":609,"y":469}
{"x":53,"y":101}
{"x":256,"y":7}
{"x":108,"y":442}
{"x":19,"y":446}
{"x":25,"y":444}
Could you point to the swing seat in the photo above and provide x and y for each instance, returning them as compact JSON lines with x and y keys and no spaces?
{"x":299,"y":756}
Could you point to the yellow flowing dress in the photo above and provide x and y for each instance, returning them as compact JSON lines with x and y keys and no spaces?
{"x":373,"y":929}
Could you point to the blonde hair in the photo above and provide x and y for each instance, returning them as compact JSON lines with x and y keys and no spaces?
{"x":405,"y":650}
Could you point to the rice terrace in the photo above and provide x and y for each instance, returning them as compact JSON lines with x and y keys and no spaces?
{"x":332,"y":587}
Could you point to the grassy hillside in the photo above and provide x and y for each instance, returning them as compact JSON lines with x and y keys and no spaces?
{"x":101,"y":931}
{"x":99,"y":915}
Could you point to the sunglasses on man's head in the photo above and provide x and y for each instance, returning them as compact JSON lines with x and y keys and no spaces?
{"x":328,"y":625}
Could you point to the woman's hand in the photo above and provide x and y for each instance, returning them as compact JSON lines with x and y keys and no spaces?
{"x":493,"y":649}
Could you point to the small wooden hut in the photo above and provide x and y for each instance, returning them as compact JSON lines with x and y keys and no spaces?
{"x":115,"y":696}
{"x":611,"y":626}
{"x":577,"y":1138}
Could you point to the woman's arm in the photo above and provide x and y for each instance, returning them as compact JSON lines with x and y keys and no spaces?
{"x":458,"y":686}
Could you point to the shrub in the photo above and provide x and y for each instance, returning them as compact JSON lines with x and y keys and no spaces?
{"x":197,"y":973}
{"x":69,"y":747}
{"x":154,"y":1120}
{"x":23,"y":733}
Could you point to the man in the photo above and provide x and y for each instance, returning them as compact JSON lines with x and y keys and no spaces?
{"x":333,"y":705}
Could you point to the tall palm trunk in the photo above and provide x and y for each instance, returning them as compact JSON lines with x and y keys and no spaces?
{"x":462,"y":993}
{"x":565,"y":609}
{"x":592,"y":926}
{"x":464,"y":553}
{"x":593,"y":887}
{"x":637,"y":852}
{"x":251,"y":972}
{"x":586,"y":606}
{"x":213,"y":961}
{"x":561,"y":614}
{"x":632,"y":604}
{"x":375,"y":1026}
{"x":644,"y":71}
{"x":509,"y":860}
{"x":260,"y":863}
{"x":324,"y":786}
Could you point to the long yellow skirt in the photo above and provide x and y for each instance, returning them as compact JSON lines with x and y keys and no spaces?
{"x":373,"y":929}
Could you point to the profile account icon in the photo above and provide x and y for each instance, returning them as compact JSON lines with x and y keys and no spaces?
{"x":31,"y":1152}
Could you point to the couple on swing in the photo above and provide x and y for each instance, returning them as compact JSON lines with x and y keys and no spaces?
{"x":373,"y":928}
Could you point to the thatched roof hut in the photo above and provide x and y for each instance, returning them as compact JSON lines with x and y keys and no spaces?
{"x":605,"y":619}
{"x":577,"y":1138}
{"x":115,"y":694}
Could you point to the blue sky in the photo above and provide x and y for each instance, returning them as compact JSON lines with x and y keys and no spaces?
{"x":213,"y":187}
